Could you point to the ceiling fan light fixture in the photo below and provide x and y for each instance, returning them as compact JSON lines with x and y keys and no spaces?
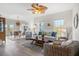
{"x":38,"y":9}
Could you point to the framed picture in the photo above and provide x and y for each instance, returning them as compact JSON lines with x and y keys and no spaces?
{"x":76,"y":21}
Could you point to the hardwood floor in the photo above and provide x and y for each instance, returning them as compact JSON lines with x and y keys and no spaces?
{"x":15,"y":48}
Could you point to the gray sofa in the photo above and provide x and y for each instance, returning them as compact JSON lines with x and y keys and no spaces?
{"x":58,"y":50}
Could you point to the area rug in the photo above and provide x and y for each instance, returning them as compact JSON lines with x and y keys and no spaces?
{"x":33,"y":47}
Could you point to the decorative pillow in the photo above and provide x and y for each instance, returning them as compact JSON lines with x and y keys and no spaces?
{"x":65,"y":43}
{"x":54,"y":34}
{"x":57,"y":42}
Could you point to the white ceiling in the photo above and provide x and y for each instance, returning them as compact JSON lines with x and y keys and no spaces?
{"x":12,"y":10}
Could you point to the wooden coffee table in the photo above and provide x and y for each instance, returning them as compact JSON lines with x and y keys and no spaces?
{"x":39,"y":42}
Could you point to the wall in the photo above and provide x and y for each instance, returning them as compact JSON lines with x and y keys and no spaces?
{"x":75,"y":31}
{"x":66,"y":15}
{"x":11,"y":24}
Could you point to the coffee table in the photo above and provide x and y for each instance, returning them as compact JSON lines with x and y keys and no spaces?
{"x":39,"y":41}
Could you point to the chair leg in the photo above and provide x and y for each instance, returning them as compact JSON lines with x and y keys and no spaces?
{"x":32,"y":42}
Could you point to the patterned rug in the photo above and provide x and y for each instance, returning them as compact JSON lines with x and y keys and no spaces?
{"x":33,"y":47}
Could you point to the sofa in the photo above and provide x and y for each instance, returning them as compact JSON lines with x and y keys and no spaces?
{"x":51,"y":49}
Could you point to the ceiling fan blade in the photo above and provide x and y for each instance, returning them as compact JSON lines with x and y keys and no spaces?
{"x":30,"y":9}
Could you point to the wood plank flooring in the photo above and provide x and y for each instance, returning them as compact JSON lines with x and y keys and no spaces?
{"x":15,"y":48}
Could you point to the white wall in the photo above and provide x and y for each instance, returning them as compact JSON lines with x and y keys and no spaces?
{"x":66,"y":15}
{"x":75,"y":31}
{"x":11,"y":24}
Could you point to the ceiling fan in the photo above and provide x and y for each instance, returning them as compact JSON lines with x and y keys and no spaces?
{"x":37,"y":8}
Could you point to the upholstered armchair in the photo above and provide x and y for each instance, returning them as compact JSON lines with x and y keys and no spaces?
{"x":28,"y":35}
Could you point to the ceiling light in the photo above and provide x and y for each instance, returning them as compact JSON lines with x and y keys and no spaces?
{"x":37,"y":8}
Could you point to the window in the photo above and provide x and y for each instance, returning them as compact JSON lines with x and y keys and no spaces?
{"x":42,"y":26}
{"x":58,"y":26}
{"x":59,"y":23}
